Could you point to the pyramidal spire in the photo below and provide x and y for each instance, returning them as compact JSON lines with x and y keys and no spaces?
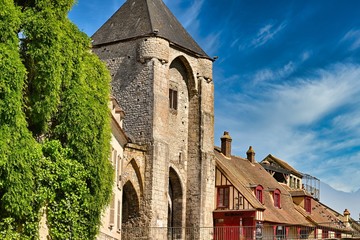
{"x":145,"y":18}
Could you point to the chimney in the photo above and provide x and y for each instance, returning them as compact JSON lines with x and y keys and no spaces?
{"x":251,"y":155}
{"x":226,"y":144}
{"x":346,"y":215}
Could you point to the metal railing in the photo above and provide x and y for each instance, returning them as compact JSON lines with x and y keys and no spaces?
{"x":263,"y":232}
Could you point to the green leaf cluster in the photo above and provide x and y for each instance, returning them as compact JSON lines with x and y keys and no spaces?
{"x":54,"y":124}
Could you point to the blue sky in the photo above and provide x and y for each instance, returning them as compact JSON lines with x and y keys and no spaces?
{"x":287,"y":80}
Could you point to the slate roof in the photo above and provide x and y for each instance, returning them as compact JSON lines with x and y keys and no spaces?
{"x":142,"y":18}
{"x":248,"y":175}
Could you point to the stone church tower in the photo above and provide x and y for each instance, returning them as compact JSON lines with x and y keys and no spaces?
{"x":163,"y":81}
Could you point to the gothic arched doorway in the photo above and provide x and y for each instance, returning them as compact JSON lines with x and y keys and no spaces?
{"x":130,"y":205}
{"x":175,"y":206}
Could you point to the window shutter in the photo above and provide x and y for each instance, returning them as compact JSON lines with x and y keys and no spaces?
{"x":113,"y":162}
{"x":114,"y":158}
{"x":112,"y":210}
{"x":118,"y":215}
{"x":118,"y":166}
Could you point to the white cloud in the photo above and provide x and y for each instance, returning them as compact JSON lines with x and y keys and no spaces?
{"x":336,"y":172}
{"x":267,"y":33}
{"x":190,"y":16}
{"x":270,"y":74}
{"x":349,"y":122}
{"x":281,"y":118}
{"x":211,"y":43}
{"x":304,"y":101}
{"x":353,"y":36}
{"x":234,"y":42}
{"x":305,"y":56}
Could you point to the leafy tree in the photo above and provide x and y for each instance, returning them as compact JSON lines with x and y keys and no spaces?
{"x":54,"y":124}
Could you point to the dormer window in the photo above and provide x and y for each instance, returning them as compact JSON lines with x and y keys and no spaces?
{"x":259,"y":193}
{"x":277,"y":199}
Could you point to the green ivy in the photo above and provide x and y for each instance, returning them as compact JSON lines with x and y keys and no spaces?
{"x":54,"y":124}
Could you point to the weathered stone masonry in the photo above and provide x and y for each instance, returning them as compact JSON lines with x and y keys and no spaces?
{"x":179,"y":173}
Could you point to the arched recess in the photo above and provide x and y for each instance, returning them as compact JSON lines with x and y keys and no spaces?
{"x":138,"y":174}
{"x":130,"y":205}
{"x":175,"y":203}
{"x":186,"y":128}
{"x":183,"y":66}
{"x":131,"y":172}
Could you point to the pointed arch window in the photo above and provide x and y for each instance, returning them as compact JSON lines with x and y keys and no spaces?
{"x":259,"y":192}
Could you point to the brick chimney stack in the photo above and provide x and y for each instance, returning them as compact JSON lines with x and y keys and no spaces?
{"x":226,"y":144}
{"x":251,"y":155}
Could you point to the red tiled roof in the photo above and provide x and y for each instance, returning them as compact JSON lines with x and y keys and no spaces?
{"x":322,"y":216}
{"x":248,"y":175}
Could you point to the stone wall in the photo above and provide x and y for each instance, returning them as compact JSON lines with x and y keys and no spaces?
{"x":178,"y":165}
{"x":131,"y":86}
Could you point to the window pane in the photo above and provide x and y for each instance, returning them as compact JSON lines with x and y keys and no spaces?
{"x":172,"y":99}
{"x":277,"y":200}
{"x":259,"y":195}
{"x":226,"y":197}
{"x":223,"y":197}
{"x":220,"y":197}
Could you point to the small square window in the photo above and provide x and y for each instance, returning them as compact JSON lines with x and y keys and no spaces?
{"x":173,"y":101}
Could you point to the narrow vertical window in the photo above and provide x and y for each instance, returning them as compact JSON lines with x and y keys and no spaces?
{"x":223,"y":197}
{"x":277,"y":201}
{"x":259,"y":193}
{"x":173,"y":99}
{"x":308,"y":204}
